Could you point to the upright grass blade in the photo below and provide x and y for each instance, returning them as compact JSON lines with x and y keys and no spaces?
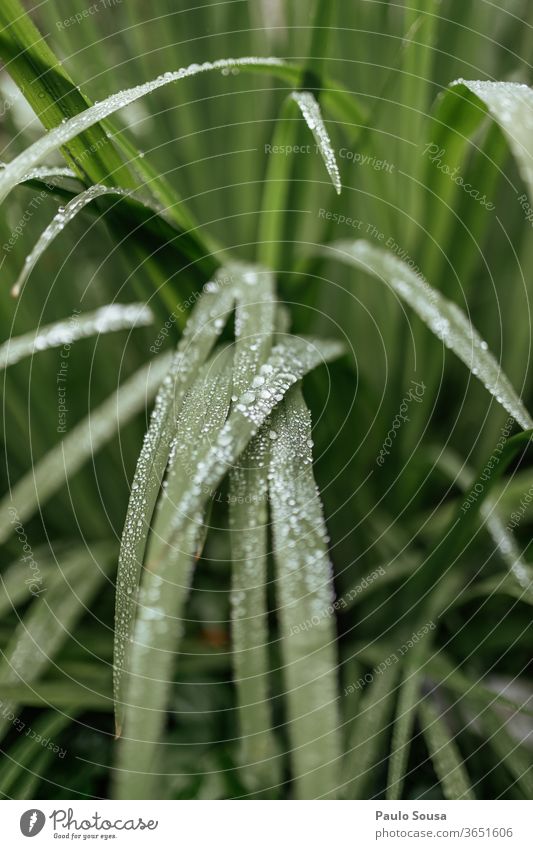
{"x":52,"y":615}
{"x":408,"y":701}
{"x":310,"y":109}
{"x":165,"y":584}
{"x":83,"y":441}
{"x":305,"y":592}
{"x":254,"y":323}
{"x":248,"y":516}
{"x":367,"y":734}
{"x":323,"y":23}
{"x":511,"y":106}
{"x":420,"y":24}
{"x":108,"y":319}
{"x":274,"y":204}
{"x":445,"y":754}
{"x":443,"y":317}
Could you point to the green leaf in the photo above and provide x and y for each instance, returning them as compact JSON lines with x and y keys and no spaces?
{"x":437,"y":583}
{"x":443,"y":317}
{"x":108,"y":319}
{"x":70,"y":129}
{"x":479,"y":707}
{"x":53,"y":95}
{"x":305,"y":593}
{"x":275,"y":200}
{"x":310,"y":110}
{"x":445,"y":754}
{"x":366,"y":738}
{"x":165,"y":584}
{"x":248,"y":516}
{"x":288,"y":362}
{"x":205,"y":325}
{"x":63,"y":217}
{"x":17,"y":580}
{"x":511,"y":106}
{"x":404,"y":720}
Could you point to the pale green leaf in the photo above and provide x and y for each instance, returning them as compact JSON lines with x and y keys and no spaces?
{"x":304,"y":585}
{"x":108,"y":319}
{"x":443,"y":317}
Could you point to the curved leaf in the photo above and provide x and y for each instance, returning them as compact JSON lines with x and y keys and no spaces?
{"x":511,"y":106}
{"x":107,"y":319}
{"x":310,"y":109}
{"x":68,"y":130}
{"x":367,"y":733}
{"x":205,"y":324}
{"x":63,"y":217}
{"x":251,"y":287}
{"x":165,"y":585}
{"x":443,"y":317}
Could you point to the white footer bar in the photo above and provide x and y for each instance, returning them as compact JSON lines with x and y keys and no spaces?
{"x":268,"y":824}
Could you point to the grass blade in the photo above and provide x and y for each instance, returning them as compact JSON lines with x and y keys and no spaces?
{"x":53,"y":96}
{"x":288,"y":362}
{"x":310,"y":110}
{"x":520,"y":571}
{"x":367,"y":734}
{"x":165,"y":585}
{"x":69,"y":130}
{"x":305,"y":592}
{"x":20,"y":764}
{"x":108,"y":319}
{"x":511,"y":106}
{"x":206,"y":323}
{"x":443,"y":317}
{"x":248,"y":516}
{"x":201,"y":332}
{"x":63,"y":217}
{"x":403,"y":725}
{"x":445,"y":755}
{"x":276,"y":189}
{"x":478,"y":705}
